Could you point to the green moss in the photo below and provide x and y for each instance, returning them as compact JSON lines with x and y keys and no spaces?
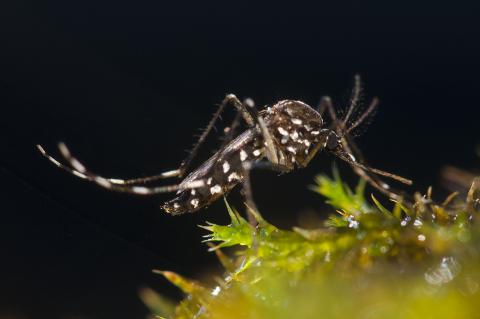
{"x":417,"y":260}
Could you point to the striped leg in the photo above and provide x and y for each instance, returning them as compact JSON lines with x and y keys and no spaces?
{"x":79,"y":170}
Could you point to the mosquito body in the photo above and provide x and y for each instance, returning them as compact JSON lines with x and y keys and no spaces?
{"x":283,"y":137}
{"x":295,"y":130}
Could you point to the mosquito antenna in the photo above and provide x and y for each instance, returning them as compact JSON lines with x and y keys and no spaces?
{"x":351,"y":160}
{"x":355,"y":97}
{"x":371,"y":108}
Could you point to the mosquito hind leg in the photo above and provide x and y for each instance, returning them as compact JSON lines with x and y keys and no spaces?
{"x":241,"y":111}
{"x":79,"y":170}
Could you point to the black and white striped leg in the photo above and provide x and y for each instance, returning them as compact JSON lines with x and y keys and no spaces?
{"x":78,"y":169}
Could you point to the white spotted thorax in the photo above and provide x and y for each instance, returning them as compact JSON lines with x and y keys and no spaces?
{"x":294,"y":128}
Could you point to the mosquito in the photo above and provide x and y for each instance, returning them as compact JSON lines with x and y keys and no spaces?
{"x":282,"y":137}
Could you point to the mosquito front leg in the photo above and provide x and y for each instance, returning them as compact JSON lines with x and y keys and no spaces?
{"x":270,"y":149}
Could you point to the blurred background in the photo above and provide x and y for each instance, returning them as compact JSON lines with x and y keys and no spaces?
{"x":128,"y":86}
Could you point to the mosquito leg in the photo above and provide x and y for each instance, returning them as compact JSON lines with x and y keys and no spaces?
{"x":232,"y":129}
{"x":229,"y":99}
{"x":375,"y":182}
{"x":76,"y":167}
{"x":270,"y":148}
{"x":247,"y":193}
{"x":79,"y":170}
{"x":247,"y":167}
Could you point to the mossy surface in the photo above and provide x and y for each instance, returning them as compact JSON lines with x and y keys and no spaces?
{"x":417,"y":260}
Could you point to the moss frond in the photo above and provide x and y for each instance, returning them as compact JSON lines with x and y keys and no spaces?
{"x":419,"y":260}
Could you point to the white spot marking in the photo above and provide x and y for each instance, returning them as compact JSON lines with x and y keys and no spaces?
{"x":116,"y":181}
{"x":307,"y":127}
{"x":297,"y":121}
{"x":215,"y":189}
{"x":103,"y":182}
{"x":315,"y":132}
{"x":243,"y":155}
{"x":176,"y":205}
{"x":284,"y":139}
{"x":292,"y":149}
{"x":282,"y":131}
{"x":233,"y":176}
{"x":171,"y":173}
{"x":421,"y":237}
{"x":77,"y":165}
{"x":294,"y":135}
{"x":194,"y":202}
{"x":257,"y":152}
{"x":76,"y":173}
{"x":140,"y":190}
{"x":194,"y":184}
{"x":417,"y":223}
{"x":307,"y":143}
{"x":226,"y":167}
{"x":209,"y":181}
{"x":193,"y":192}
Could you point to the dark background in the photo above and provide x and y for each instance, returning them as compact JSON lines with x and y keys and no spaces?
{"x":127,"y":85}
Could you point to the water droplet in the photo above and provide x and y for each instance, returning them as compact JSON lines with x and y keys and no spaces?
{"x":216,"y":291}
{"x":448,"y":269}
{"x":352,"y":223}
{"x":417,"y":223}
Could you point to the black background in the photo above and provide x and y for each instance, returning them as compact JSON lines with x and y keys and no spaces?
{"x":127,"y":85}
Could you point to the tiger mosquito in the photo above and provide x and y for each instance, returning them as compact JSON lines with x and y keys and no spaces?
{"x":283,"y":137}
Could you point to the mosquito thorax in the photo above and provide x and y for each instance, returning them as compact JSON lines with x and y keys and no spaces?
{"x":296,"y":128}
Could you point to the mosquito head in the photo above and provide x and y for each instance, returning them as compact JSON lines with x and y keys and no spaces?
{"x":332,"y":140}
